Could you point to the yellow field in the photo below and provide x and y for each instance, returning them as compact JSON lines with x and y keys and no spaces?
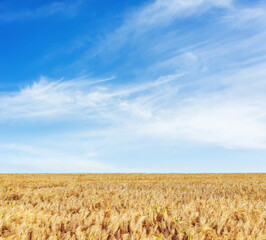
{"x":132,"y":206}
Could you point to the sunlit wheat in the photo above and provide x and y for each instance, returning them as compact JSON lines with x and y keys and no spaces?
{"x":132,"y":206}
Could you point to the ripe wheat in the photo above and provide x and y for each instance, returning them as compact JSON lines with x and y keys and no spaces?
{"x":132,"y":206}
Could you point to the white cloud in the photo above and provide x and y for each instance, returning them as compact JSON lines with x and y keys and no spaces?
{"x":214,"y":121}
{"x":157,"y":14}
{"x":231,"y":113}
{"x":49,"y":160}
{"x":80,"y":98}
{"x":43,"y":11}
{"x":243,"y":17}
{"x":165,"y":11}
{"x":225,"y":106}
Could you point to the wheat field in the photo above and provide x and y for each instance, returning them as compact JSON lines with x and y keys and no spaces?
{"x":132,"y":206}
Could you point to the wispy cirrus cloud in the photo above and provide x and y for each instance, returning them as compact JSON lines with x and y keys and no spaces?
{"x":59,"y":98}
{"x":203,"y":85}
{"x":226,"y":115}
{"x":66,"y":8}
{"x":166,"y":11}
{"x":151,"y":31}
{"x":50,"y":160}
{"x":245,"y":17}
{"x":155,"y":15}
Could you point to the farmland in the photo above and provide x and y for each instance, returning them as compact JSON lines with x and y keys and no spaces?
{"x":132,"y":206}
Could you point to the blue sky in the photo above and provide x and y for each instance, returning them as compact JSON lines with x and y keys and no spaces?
{"x":133,"y":86}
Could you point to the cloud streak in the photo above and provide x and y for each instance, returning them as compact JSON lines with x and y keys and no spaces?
{"x":203,"y":86}
{"x":156,"y":15}
{"x":227,"y":116}
{"x":58,"y":98}
{"x":48,"y":160}
{"x":69,"y":9}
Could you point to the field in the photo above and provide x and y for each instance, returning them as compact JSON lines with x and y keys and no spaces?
{"x":132,"y":206}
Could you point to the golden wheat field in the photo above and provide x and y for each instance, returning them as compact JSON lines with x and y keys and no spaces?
{"x":132,"y":206}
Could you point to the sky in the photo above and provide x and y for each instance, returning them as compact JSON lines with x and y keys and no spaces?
{"x":132,"y":86}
